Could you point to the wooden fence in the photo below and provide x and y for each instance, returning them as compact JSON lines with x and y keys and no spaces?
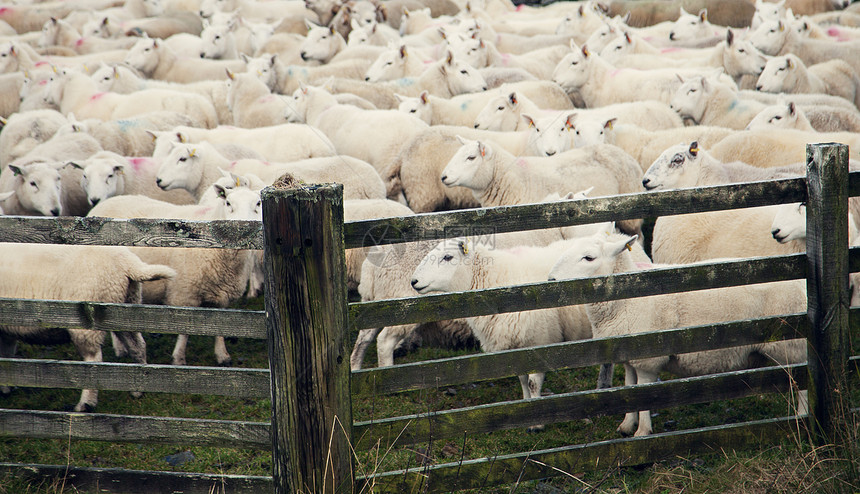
{"x":307,"y":322}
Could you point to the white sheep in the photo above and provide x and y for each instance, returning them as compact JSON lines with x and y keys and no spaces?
{"x":355,"y":132}
{"x":374,"y":34}
{"x":58,"y":32}
{"x":129,"y":136}
{"x":89,"y":273}
{"x":767,"y":11}
{"x":497,"y":177}
{"x":156,"y":60}
{"x":788,"y":74}
{"x":775,"y":38}
{"x":599,"y":83}
{"x":218,"y":41}
{"x":252,"y":103}
{"x":195,"y":167}
{"x":277,"y":143}
{"x":321,"y":43}
{"x":786,"y":115}
{"x":481,"y":53}
{"x":766,"y":148}
{"x":398,"y":61}
{"x":460,"y":264}
{"x":603,"y":255}
{"x":731,"y":233}
{"x":204,"y":277}
{"x":25,"y":130}
{"x":694,"y":30}
{"x":36,"y":189}
{"x":107,"y":174}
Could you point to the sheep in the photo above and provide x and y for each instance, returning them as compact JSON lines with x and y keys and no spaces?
{"x":218,"y":41}
{"x":204,"y":277}
{"x":497,"y":177}
{"x":288,"y":77}
{"x":96,"y":274}
{"x":195,"y":167}
{"x":481,"y":53}
{"x":127,"y":137}
{"x":734,"y":13}
{"x":788,"y":74}
{"x":57,"y":32}
{"x":11,"y":92}
{"x":156,"y":60}
{"x":464,"y":109}
{"x":25,"y":130}
{"x":367,"y":209}
{"x":504,"y":113}
{"x":374,"y":34}
{"x":767,"y":11}
{"x":602,"y":255}
{"x":694,"y":29}
{"x":397,"y":61}
{"x":766,"y":148}
{"x":278,"y":143}
{"x":808,"y":100}
{"x":321,"y":43}
{"x":786,"y":115}
{"x":252,"y":103}
{"x":460,"y":264}
{"x":36,"y":188}
{"x":789,"y":223}
{"x":600,"y":84}
{"x":732,"y":233}
{"x":353,"y":131}
{"x":107,"y":174}
{"x":259,"y":11}
{"x":773,"y":38}
{"x":77,"y":93}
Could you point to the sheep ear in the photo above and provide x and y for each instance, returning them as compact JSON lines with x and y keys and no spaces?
{"x":449,"y":58}
{"x":152,"y":134}
{"x":788,"y":63}
{"x":230,"y":74}
{"x":424,"y":97}
{"x":568,"y":122}
{"x":331,"y":29}
{"x":609,"y":123}
{"x":730,"y":36}
{"x":792,"y":109}
{"x":244,"y":57}
{"x":528,"y":120}
{"x":16,"y":170}
{"x":585,"y":51}
{"x":679,"y":77}
{"x":694,"y":148}
{"x":403,"y":51}
{"x":310,"y":25}
{"x":781,"y":26}
{"x":220,"y":191}
{"x":119,"y":169}
{"x":627,"y":38}
{"x":512,"y":99}
{"x":483,"y":149}
{"x":464,"y":247}
{"x":619,"y":247}
{"x":181,"y":137}
{"x":73,"y":165}
{"x":353,"y":23}
{"x":461,"y":140}
{"x":399,"y":97}
{"x":703,"y":15}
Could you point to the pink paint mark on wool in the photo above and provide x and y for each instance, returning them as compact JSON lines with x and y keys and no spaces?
{"x":43,"y":82}
{"x":522,"y":163}
{"x":97,"y":96}
{"x":267,"y":99}
{"x":79,"y":42}
{"x":615,"y":72}
{"x":203,"y":211}
{"x":670,"y":50}
{"x":138,"y":164}
{"x":520,"y":7}
{"x":5,"y":10}
{"x":644,"y":265}
{"x":506,"y":58}
{"x":233,"y":165}
{"x":41,"y":63}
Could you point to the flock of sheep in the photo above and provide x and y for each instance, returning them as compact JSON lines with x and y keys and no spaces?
{"x":188,"y":108}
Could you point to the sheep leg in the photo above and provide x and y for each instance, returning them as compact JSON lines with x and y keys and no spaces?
{"x":89,"y":346}
{"x":119,"y":348}
{"x":365,"y":338}
{"x":8,"y":345}
{"x":604,"y":378}
{"x":535,"y":383}
{"x":645,"y":429}
{"x":388,"y":341}
{"x":524,"y":382}
{"x":631,"y":419}
{"x":179,"y":349}
{"x":134,"y":346}
{"x":221,"y":356}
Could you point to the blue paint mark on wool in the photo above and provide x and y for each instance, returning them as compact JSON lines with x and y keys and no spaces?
{"x":124,"y":125}
{"x":405,"y":81}
{"x":734,"y":105}
{"x":464,"y":105}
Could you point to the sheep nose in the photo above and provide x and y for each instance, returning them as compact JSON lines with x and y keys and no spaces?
{"x":476,"y":126}
{"x":775,"y":233}
{"x":55,"y":211}
{"x":551,"y":278}
{"x":202,"y":55}
{"x":414,"y":282}
{"x":367,"y":79}
{"x":672,"y":36}
{"x":758,"y":87}
{"x":94,"y":201}
{"x":444,"y":177}
{"x":304,"y":56}
{"x":550,"y":153}
{"x":645,"y":182}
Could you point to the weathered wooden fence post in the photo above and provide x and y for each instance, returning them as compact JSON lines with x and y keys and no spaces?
{"x":827,"y":285}
{"x":306,"y":321}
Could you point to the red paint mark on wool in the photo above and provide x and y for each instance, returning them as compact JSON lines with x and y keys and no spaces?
{"x":520,"y":7}
{"x":138,"y":164}
{"x":79,"y":42}
{"x":5,"y":10}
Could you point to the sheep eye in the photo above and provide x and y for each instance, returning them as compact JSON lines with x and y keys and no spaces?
{"x":464,"y":72}
{"x":501,"y":108}
{"x":741,"y":50}
{"x":588,"y":258}
{"x":447,"y":257}
{"x":413,"y":110}
{"x":577,"y":132}
{"x":470,"y":158}
{"x":33,"y":184}
{"x":217,"y":36}
{"x":183,"y":159}
{"x":574,"y":63}
{"x":691,"y":91}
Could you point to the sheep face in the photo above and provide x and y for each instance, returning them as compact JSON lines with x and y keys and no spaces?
{"x":782,"y":116}
{"x":446,"y":268}
{"x":677,"y":165}
{"x":789,"y":223}
{"x":418,"y":107}
{"x":98,"y":27}
{"x":50,"y":30}
{"x":602,"y":36}
{"x":588,"y":132}
{"x":618,"y":47}
{"x":103,"y":178}
{"x":579,"y":21}
{"x":595,"y":255}
{"x":296,"y":109}
{"x":38,"y":188}
{"x":690,"y":27}
{"x":217,"y":40}
{"x":182,"y":168}
{"x":264,"y":68}
{"x":770,"y":37}
{"x":780,"y":75}
{"x":152,"y":8}
{"x":550,"y":135}
{"x":107,"y":77}
{"x":143,"y":55}
{"x":691,"y":98}
{"x":501,"y":114}
{"x":359,"y":35}
{"x":321,"y":44}
{"x":767,"y":11}
{"x":741,"y":58}
{"x":259,"y":34}
{"x":4,"y":196}
{"x":8,"y":60}
{"x":470,"y":50}
{"x":388,"y":66}
{"x":208,"y":8}
{"x":461,"y":77}
{"x":572,"y":72}
{"x":467,"y":167}
{"x":239,"y":203}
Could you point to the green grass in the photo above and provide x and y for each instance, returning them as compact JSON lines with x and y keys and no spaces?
{"x":718,"y":473}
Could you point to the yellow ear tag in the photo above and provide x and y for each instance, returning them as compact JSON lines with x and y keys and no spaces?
{"x":86,"y":69}
{"x":238,"y":184}
{"x":465,"y":250}
{"x":115,"y":74}
{"x":54,"y":68}
{"x":192,"y":153}
{"x":629,"y":249}
{"x":694,"y":150}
